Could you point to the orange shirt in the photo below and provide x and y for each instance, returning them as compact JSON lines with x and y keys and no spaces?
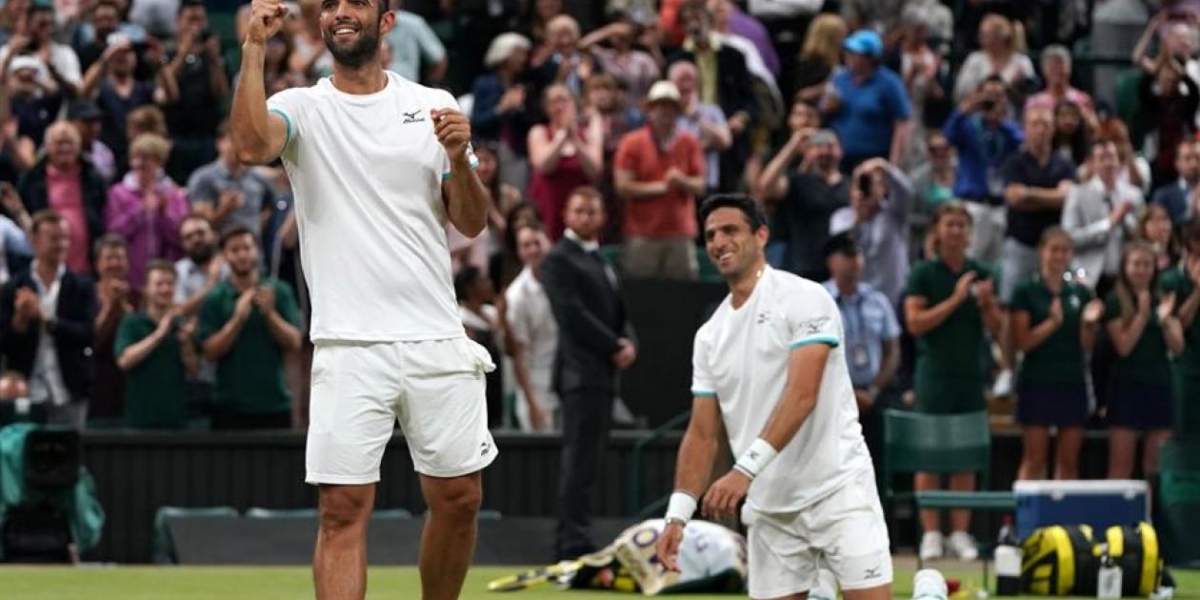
{"x":674,"y":213}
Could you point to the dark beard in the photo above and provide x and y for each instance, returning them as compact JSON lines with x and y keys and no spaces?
{"x":362,"y":52}
{"x":203,"y":254}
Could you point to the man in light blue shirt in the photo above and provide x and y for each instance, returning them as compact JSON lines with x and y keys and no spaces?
{"x":871,"y":334}
{"x":414,"y":44}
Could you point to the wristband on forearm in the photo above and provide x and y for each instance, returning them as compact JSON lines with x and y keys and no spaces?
{"x":756,"y":458}
{"x":681,"y":508}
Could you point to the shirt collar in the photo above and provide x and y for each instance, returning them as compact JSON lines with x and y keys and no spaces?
{"x":714,"y":43}
{"x":58,"y":275}
{"x":860,"y":291}
{"x":131,"y":181}
{"x":588,"y":246}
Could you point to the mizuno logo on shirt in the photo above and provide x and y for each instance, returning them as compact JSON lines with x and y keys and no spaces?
{"x":763,"y":317}
{"x":412,"y":117}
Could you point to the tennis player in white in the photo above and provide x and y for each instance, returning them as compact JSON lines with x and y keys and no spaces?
{"x":769,"y":369}
{"x":378,"y":165}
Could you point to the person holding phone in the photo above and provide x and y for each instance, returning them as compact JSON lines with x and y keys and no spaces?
{"x":877,"y":217}
{"x":950,"y":303}
{"x":1055,"y":320}
{"x":154,"y":348}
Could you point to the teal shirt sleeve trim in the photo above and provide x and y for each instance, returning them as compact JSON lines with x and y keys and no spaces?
{"x":829,"y":340}
{"x":704,"y":394}
{"x":288,"y":121}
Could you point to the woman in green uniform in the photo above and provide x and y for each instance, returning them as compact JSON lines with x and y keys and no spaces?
{"x":949,"y":302}
{"x":1054,"y":321}
{"x":1145,"y":332}
{"x":1183,"y":280}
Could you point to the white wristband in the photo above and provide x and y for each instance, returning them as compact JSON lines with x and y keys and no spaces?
{"x":681,"y":507}
{"x":756,"y":458}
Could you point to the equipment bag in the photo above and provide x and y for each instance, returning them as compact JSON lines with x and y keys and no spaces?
{"x":1135,"y":549}
{"x":1059,"y":561}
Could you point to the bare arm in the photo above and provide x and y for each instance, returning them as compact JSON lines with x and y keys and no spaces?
{"x":136,"y":353}
{"x":636,"y":190}
{"x":921,"y":319}
{"x":285,"y":334}
{"x":166,"y":88}
{"x":1022,"y":197}
{"x":1125,"y":337}
{"x":891,"y":362}
{"x":94,"y":75}
{"x":806,"y":365}
{"x":545,"y":151}
{"x":1173,"y":334}
{"x":773,"y":183}
{"x":220,"y":343}
{"x":900,"y":132}
{"x":1029,"y":337}
{"x":258,"y":135}
{"x":1187,"y":310}
{"x":189,"y":356}
{"x":699,"y":447}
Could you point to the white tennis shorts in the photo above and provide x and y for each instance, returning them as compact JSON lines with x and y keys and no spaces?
{"x":845,"y":533}
{"x":434,"y":388}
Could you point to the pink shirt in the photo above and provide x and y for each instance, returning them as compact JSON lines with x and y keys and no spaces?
{"x":149,"y":236}
{"x":64,"y":192}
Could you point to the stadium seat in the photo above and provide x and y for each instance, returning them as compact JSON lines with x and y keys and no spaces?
{"x":164,"y":544}
{"x":940,"y":444}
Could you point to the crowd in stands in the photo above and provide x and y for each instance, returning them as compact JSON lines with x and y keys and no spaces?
{"x":990,"y":224}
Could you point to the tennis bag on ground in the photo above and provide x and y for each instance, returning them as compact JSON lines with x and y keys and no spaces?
{"x":1065,"y":560}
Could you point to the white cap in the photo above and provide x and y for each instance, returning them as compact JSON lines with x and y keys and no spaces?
{"x":503,"y":46}
{"x":19,"y":63}
{"x":663,"y":90}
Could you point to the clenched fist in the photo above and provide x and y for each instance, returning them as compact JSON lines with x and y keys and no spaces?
{"x":266,"y":19}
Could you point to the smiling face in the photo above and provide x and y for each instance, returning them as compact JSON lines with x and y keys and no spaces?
{"x":352,"y":28}
{"x":1056,"y":253}
{"x":732,"y":246}
{"x":1139,"y":268}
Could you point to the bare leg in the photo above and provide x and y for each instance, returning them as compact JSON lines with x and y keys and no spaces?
{"x":448,"y":541}
{"x":1070,"y":440}
{"x":883,"y":592}
{"x":800,"y":596}
{"x":930,"y":518}
{"x":1122,"y":445}
{"x":1033,"y":459}
{"x":340,"y":563}
{"x":1153,"y":450}
{"x":960,"y":520}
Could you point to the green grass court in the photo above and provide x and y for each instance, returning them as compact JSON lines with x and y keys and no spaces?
{"x":294,"y":583}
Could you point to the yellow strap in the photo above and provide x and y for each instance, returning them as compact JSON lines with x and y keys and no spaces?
{"x":1150,"y":560}
{"x":1116,"y":542}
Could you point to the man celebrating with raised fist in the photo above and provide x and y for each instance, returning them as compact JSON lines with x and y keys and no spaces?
{"x":378,"y":165}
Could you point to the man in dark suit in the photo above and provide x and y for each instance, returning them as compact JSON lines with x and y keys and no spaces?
{"x":1179,"y":196}
{"x":594,"y":345}
{"x":47,"y":324}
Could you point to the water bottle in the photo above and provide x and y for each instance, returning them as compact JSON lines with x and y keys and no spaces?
{"x":1108,"y":585}
{"x":1008,"y":560}
{"x":929,"y":584}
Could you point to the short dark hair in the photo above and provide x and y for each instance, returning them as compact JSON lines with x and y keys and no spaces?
{"x":42,"y":217}
{"x":694,"y":6}
{"x":586,"y":191}
{"x":159,"y":264}
{"x":195,"y":216}
{"x":37,"y":7}
{"x":464,"y":279}
{"x":108,"y":240}
{"x":752,"y":209}
{"x":235,"y":232}
{"x":186,"y":4}
{"x":993,"y":79}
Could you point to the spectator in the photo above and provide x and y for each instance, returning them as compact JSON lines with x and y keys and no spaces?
{"x":1001,"y":55}
{"x":1154,"y":228}
{"x":146,"y":207}
{"x":33,"y":104}
{"x":104,"y":20}
{"x":533,"y":335}
{"x":310,"y":57}
{"x":1101,"y":215}
{"x":196,"y":274}
{"x":47,"y":324}
{"x":12,"y":16}
{"x":277,"y":69}
{"x":1072,"y":135}
{"x":1145,"y":332}
{"x":156,"y":15}
{"x":1037,"y":182}
{"x":64,"y":182}
{"x":86,"y":118}
{"x":1183,"y":283}
{"x":872,"y":335}
{"x":603,"y":98}
{"x":801,"y":116}
{"x":985,"y":138}
{"x":1137,"y":169}
{"x":1177,"y":42}
{"x":805,"y":199}
{"x":1056,"y":72}
{"x":482,"y":322}
{"x":867,"y":105}
{"x":112,"y":84}
{"x":595,"y":343}
{"x":246,"y":326}
{"x":229,"y":193}
{"x":950,"y":303}
{"x":156,"y":351}
{"x":563,"y":155}
{"x":415,"y":46}
{"x":1054,"y":323}
{"x":15,"y":230}
{"x":933,"y":185}
{"x":730,"y":21}
{"x":1168,"y":101}
{"x":724,"y":79}
{"x":196,"y":69}
{"x":921,"y":69}
{"x":877,"y":218}
{"x":115,"y":301}
{"x":820,"y":55}
{"x":636,"y":69}
{"x":562,"y":61}
{"x":500,"y":109}
{"x":705,"y":122}
{"x":145,"y":119}
{"x":59,"y":67}
{"x":1179,"y":197}
{"x":538,"y":17}
{"x":659,"y":172}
